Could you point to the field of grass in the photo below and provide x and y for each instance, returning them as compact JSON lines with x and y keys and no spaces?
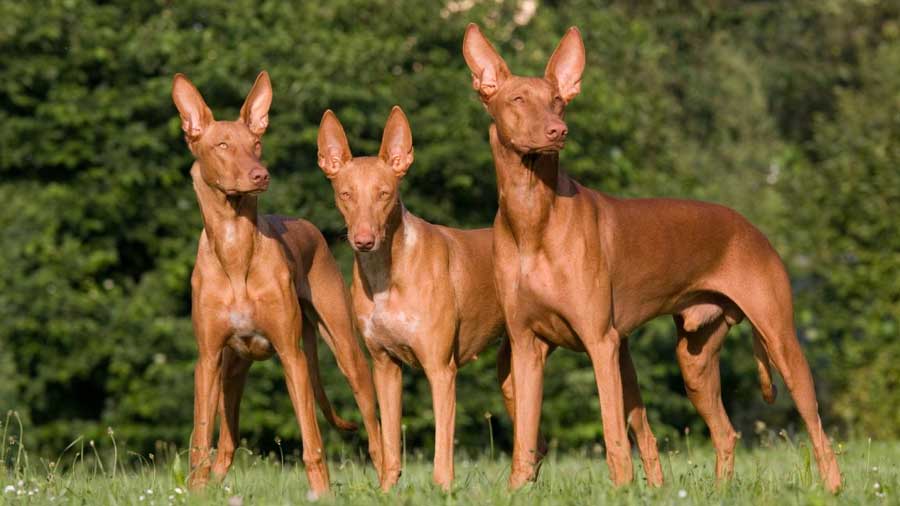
{"x":777,"y":473}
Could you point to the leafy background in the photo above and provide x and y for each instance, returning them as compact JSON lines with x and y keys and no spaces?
{"x":788,"y":112}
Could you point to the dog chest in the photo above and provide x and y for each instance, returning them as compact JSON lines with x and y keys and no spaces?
{"x":392,"y":329}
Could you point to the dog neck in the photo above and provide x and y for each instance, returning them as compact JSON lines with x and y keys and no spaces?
{"x":385,"y":268}
{"x":230,"y":223}
{"x":527,"y":185}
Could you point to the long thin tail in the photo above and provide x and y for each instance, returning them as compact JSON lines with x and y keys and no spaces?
{"x":311,"y":346}
{"x":769,"y":392}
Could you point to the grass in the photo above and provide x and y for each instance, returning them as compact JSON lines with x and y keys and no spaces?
{"x":779,"y":472}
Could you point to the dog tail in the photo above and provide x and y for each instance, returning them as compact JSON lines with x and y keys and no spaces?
{"x":769,"y":392}
{"x":311,"y":347}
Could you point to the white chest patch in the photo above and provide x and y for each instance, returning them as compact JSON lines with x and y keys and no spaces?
{"x":229,"y":232}
{"x":385,"y":324}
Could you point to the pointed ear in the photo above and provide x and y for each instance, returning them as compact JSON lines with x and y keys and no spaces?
{"x":334,"y":150}
{"x":195,"y":115}
{"x":566,"y":64}
{"x":396,"y":143}
{"x":255,"y":111}
{"x":488,"y":68}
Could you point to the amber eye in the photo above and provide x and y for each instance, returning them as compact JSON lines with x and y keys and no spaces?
{"x":222,"y":145}
{"x":383,"y":195}
{"x":344,"y":195}
{"x":519,"y":99}
{"x":257,"y":148}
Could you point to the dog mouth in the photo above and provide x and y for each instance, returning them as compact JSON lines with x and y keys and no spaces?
{"x":251,"y":192}
{"x":554,"y":147}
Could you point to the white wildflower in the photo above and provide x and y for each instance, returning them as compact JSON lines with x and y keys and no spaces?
{"x":8,"y":489}
{"x":877,"y":485}
{"x":179,"y":490}
{"x":682,"y":494}
{"x":141,"y":498}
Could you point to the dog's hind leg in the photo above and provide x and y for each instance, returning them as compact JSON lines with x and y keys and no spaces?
{"x":774,"y":327}
{"x":698,"y":357}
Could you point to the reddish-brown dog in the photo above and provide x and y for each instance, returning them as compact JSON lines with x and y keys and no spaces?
{"x":580,"y":269}
{"x":259,"y":283}
{"x":423,"y":294}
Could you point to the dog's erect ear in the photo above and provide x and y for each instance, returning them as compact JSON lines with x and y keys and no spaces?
{"x":334,"y":150}
{"x":488,"y":68}
{"x":195,"y":115}
{"x":255,"y":111}
{"x":396,"y":142}
{"x":566,"y":64}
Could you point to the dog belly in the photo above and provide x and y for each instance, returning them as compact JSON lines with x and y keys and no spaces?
{"x":556,"y":330}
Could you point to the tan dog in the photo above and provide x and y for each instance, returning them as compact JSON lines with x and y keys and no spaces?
{"x":580,"y":269}
{"x":423,"y":294}
{"x":259,"y":282}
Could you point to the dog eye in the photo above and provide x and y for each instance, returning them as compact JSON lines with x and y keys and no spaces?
{"x":222,"y":145}
{"x":345,"y":195}
{"x":257,"y":147}
{"x":383,"y":195}
{"x":519,"y":99}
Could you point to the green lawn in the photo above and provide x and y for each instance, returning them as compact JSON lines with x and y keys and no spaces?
{"x":780,"y":474}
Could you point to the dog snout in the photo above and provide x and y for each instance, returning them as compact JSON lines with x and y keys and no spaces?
{"x":259,"y":176}
{"x":364,"y":240}
{"x":556,"y":131}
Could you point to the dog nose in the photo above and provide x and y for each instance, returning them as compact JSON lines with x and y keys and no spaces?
{"x":364,"y":241}
{"x":557,"y":131}
{"x":259,"y":176}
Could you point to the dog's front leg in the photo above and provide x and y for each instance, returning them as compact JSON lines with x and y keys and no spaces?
{"x":636,"y":416}
{"x":443,"y":397}
{"x":529,"y":355}
{"x":604,"y":352}
{"x":389,"y":389}
{"x":296,"y":372}
{"x":207,"y":383}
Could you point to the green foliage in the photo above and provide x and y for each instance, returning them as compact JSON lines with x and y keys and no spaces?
{"x":789,"y":113}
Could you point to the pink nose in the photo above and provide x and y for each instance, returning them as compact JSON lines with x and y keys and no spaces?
{"x":364,"y":240}
{"x":557,"y":131}
{"x":259,"y":176}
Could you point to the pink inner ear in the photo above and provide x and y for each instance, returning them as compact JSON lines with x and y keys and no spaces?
{"x":190,"y":125}
{"x":396,"y":158}
{"x":570,"y":90}
{"x":335,"y":156}
{"x":259,"y":126}
{"x":489,"y":80}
